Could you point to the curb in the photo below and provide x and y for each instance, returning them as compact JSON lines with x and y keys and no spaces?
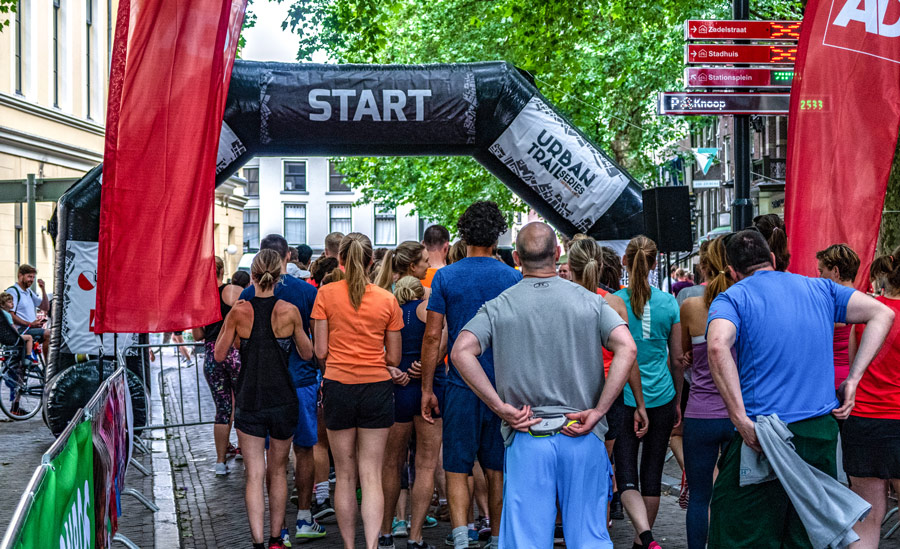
{"x":165,"y":521}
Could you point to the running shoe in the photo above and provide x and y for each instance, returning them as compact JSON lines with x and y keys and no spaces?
{"x":443,"y":512}
{"x":473,"y":539}
{"x":418,"y":545}
{"x":309,"y":530}
{"x":230,"y":451}
{"x":322,"y":511}
{"x":385,"y":542}
{"x":276,"y":545}
{"x":221,"y":469}
{"x":653,"y":545}
{"x":430,"y":522}
{"x":285,"y":537}
{"x":237,"y":453}
{"x":615,"y":511}
{"x":483,"y":526}
{"x":685,"y":496}
{"x":399,"y":528}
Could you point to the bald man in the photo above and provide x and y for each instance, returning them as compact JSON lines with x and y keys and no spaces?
{"x":546,"y":334}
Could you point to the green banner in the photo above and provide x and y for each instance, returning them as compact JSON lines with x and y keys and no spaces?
{"x":62,"y":515}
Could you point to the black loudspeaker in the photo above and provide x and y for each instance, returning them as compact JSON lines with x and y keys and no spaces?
{"x":667,"y":218}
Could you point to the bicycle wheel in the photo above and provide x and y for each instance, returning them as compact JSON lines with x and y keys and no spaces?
{"x":21,"y":391}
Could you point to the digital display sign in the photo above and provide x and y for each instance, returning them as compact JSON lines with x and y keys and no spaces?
{"x":729,"y":77}
{"x":730,"y":54}
{"x":781,"y":31}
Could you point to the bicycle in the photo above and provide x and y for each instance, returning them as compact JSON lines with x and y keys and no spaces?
{"x":21,"y":386}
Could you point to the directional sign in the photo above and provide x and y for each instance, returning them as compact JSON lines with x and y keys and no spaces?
{"x":727,"y":54}
{"x":708,"y":77}
{"x":680,"y":103}
{"x":781,"y":31}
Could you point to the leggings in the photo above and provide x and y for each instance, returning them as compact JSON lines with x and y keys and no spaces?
{"x":222,"y":379}
{"x":703,"y":440}
{"x":653,"y":455}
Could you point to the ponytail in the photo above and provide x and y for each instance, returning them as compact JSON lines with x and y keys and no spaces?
{"x":772,"y":228}
{"x":355,"y":254}
{"x":585,"y":261}
{"x":266,"y":269}
{"x":408,"y":288}
{"x":719,"y":275}
{"x":640,"y":257}
{"x":398,"y":262}
{"x":385,"y":277}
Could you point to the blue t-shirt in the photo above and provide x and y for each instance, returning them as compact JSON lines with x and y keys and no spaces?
{"x":785,"y":330}
{"x":459,"y":290}
{"x":302,"y":295}
{"x":651,"y":335}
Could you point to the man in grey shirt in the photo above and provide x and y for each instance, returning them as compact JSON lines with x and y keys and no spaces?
{"x":546,"y":334}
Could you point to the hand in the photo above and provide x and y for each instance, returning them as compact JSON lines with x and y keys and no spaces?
{"x":677,"y":415}
{"x":398,"y":376}
{"x":747,"y":428}
{"x":415,"y":370}
{"x":429,"y":403}
{"x":36,"y":324}
{"x":41,"y":283}
{"x":687,"y":358}
{"x":847,"y":392}
{"x":641,"y":422}
{"x":587,"y":420}
{"x":519,"y":419}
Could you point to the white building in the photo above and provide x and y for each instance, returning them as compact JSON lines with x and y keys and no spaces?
{"x":304,"y":199}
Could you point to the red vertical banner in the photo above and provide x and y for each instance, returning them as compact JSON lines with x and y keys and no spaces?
{"x":169,"y":79}
{"x":843,"y":123}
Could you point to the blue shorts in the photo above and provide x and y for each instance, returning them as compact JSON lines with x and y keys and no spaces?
{"x":540,"y":471}
{"x":471,"y":430}
{"x":408,"y":401}
{"x":307,"y":429}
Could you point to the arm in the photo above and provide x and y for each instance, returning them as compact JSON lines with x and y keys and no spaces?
{"x":466,"y":351}
{"x":18,"y":321}
{"x":44,"y":305}
{"x":686,"y":344}
{"x":393,"y":349}
{"x":878,"y":319}
{"x":852,"y":344}
{"x":227,"y":335}
{"x":720,"y":339}
{"x":677,"y":367}
{"x":198,"y":333}
{"x":320,"y":335}
{"x":431,"y":347}
{"x":301,"y":340}
{"x":620,"y":343}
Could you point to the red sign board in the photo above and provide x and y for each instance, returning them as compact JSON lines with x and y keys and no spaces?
{"x":782,"y":31}
{"x":728,"y":54}
{"x":709,"y":77}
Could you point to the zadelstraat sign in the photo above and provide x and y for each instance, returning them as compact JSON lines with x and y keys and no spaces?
{"x":576,"y":179}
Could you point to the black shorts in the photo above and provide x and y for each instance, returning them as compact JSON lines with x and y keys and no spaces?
{"x":871,"y":447}
{"x":614,"y":419}
{"x":360,"y":405}
{"x":278,"y":422}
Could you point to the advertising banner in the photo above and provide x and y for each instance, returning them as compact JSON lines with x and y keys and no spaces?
{"x":569,"y":173}
{"x":840,"y":152}
{"x":62,"y":514}
{"x":111,"y":440}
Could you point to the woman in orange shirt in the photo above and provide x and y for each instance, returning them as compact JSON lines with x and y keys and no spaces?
{"x":357,"y":334}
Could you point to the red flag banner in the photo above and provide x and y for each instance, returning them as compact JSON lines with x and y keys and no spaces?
{"x":843,"y":123}
{"x":169,"y":79}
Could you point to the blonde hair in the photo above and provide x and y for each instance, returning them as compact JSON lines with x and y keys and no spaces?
{"x":266,"y":269}
{"x":4,"y":297}
{"x":398,"y":262}
{"x":719,"y":275}
{"x":586,"y":262}
{"x":355,"y":254}
{"x":640,"y":257}
{"x":457,"y":251}
{"x":408,"y":288}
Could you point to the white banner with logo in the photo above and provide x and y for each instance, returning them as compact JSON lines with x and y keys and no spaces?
{"x":546,"y":152}
{"x":80,"y":296}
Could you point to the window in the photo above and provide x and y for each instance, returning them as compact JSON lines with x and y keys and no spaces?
{"x":90,"y":22}
{"x":339,"y":218}
{"x":20,"y":39}
{"x":385,"y":225}
{"x":336,"y":179}
{"x":295,"y":223}
{"x":56,"y":53}
{"x":295,"y":176}
{"x":252,"y":177}
{"x":251,"y":230}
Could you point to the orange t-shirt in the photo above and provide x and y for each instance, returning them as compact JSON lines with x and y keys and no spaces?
{"x":429,"y":276}
{"x":356,"y":337}
{"x":607,"y":354}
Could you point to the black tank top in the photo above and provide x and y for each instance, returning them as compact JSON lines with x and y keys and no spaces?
{"x":211,"y":332}
{"x":264,"y":380}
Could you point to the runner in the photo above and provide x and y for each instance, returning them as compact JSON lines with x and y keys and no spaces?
{"x":549,"y":372}
{"x":771,"y":226}
{"x":457,"y":251}
{"x":409,"y":259}
{"x":655,"y":326}
{"x":839,"y":264}
{"x":266,"y":404}
{"x":408,"y":417}
{"x":437,"y":241}
{"x":470,"y":428}
{"x":782,"y":325}
{"x":221,"y":376}
{"x":357,"y":334}
{"x":707,"y":429}
{"x":871,"y":435}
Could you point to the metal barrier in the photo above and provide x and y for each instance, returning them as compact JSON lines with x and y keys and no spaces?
{"x":182,"y":416}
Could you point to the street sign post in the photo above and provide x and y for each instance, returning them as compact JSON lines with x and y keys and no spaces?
{"x":694,"y":104}
{"x":730,"y":54}
{"x":780,"y":31}
{"x":721,"y":77}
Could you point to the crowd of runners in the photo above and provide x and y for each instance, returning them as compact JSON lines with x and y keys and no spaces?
{"x":527,"y":399}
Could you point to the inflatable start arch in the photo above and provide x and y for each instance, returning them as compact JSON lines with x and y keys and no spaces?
{"x":489,"y":111}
